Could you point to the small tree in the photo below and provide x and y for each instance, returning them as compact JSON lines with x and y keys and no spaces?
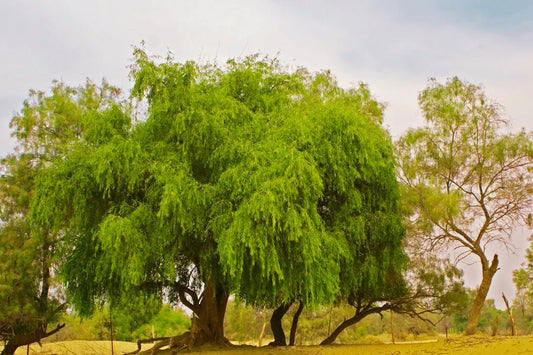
{"x":521,"y":279}
{"x":467,"y":183}
{"x":46,"y":128}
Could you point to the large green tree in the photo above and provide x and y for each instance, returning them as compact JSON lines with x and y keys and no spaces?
{"x":246,"y":179}
{"x":467,"y":184}
{"x":341,"y":131}
{"x":45,"y":129}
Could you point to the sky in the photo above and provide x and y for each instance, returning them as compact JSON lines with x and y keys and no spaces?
{"x":393,"y":46}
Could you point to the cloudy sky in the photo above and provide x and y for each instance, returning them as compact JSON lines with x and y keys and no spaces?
{"x":394,"y":46}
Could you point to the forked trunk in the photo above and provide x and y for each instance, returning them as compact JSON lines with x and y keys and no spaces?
{"x":277,"y":327}
{"x":207,"y":325}
{"x":481,"y":295}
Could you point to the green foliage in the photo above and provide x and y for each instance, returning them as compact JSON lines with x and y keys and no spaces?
{"x":487,"y":319}
{"x":48,"y":126}
{"x":244,"y":323}
{"x":167,"y":322}
{"x":126,"y":326}
{"x":270,"y":184}
{"x":523,"y":302}
{"x":460,"y":169}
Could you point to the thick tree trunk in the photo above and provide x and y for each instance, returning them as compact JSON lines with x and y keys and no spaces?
{"x":211,"y":312}
{"x":294,"y":325}
{"x":277,"y":327}
{"x":481,"y":295}
{"x":207,"y":323}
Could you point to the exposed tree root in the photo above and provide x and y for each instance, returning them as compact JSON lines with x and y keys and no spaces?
{"x":183,"y":342}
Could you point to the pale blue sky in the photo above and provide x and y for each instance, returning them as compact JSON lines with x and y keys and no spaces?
{"x":394,"y":46}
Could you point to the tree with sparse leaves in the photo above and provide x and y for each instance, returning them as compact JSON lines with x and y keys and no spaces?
{"x":467,"y":184}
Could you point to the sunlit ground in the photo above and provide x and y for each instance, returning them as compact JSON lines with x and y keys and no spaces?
{"x":482,"y":345}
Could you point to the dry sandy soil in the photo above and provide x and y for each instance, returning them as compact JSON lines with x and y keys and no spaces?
{"x":476,"y":345}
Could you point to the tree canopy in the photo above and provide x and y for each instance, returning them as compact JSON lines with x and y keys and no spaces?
{"x":250,"y":179}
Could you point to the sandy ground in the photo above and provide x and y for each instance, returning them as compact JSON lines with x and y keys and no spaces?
{"x":476,"y":345}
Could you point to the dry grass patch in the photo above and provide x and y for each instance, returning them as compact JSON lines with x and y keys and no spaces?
{"x":475,"y":345}
{"x":81,"y":347}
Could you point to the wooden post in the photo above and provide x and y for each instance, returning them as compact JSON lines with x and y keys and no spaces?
{"x":511,"y":317}
{"x":391,"y":327}
{"x":111,"y":326}
{"x":446,"y":326}
{"x":263,"y":318}
{"x":329,"y":321}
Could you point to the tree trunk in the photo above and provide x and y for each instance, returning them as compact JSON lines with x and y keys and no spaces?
{"x":277,"y":327}
{"x":294,"y":325}
{"x":207,"y":324}
{"x":360,"y":313}
{"x":209,"y":327}
{"x":511,"y":317}
{"x":336,"y":332}
{"x":481,"y":295}
{"x":26,"y":339}
{"x":349,"y":322}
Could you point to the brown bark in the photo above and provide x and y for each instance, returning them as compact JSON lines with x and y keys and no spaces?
{"x":207,"y":325}
{"x":211,"y":312}
{"x":277,"y":327}
{"x":360,"y":313}
{"x":337,"y":331}
{"x":481,"y":295}
{"x":511,"y":317}
{"x":294,"y":325}
{"x":26,"y":339}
